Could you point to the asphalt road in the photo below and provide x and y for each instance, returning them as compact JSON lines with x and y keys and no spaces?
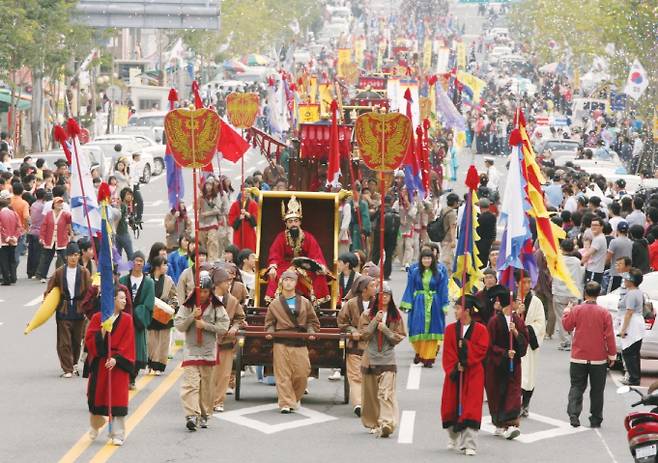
{"x":44,"y":418}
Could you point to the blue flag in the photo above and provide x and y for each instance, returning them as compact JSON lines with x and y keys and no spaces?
{"x":105,"y":270}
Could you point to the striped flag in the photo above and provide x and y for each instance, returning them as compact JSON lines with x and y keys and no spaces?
{"x":105,"y":261}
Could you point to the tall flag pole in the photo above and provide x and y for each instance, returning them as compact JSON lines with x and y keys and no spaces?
{"x":107,"y":283}
{"x":548,"y":233}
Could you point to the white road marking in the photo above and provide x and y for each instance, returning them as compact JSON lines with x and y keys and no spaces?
{"x":160,"y":220}
{"x":34,"y":301}
{"x":406,"y":434}
{"x":2,"y":323}
{"x":157,"y":203}
{"x":560,"y":428}
{"x":617,"y":376}
{"x":413,"y":380}
{"x":605,"y":444}
{"x":239,"y":417}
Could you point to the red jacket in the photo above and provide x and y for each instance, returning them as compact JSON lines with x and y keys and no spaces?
{"x":48,"y":230}
{"x":593,"y":339}
{"x":653,"y":255}
{"x":10,"y":227}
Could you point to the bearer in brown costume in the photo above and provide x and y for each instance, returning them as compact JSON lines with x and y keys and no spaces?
{"x":290,"y":313}
{"x":381,"y":331}
{"x":226,"y":343}
{"x":364,"y":289}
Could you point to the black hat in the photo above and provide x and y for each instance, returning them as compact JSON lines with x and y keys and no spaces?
{"x":61,"y":162}
{"x":470,"y":302}
{"x":500,"y":293}
{"x":72,"y":248}
{"x":139,"y":254}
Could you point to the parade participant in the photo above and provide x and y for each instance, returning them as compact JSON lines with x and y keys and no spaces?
{"x":360,"y":235}
{"x":54,"y":235}
{"x":531,"y":310}
{"x":237,"y":288}
{"x":211,"y":209}
{"x":449,"y":214}
{"x":426,"y":298}
{"x":247,"y":265}
{"x":159,"y":332}
{"x":199,"y":358}
{"x":290,"y":313}
{"x":380,"y":331}
{"x":405,"y":244}
{"x":177,"y":224}
{"x":291,"y":243}
{"x":187,"y":281}
{"x":346,"y":274}
{"x":73,"y":280}
{"x":592,"y":350}
{"x":142,"y":298}
{"x":348,"y":322}
{"x":492,"y":173}
{"x":157,"y":249}
{"x":178,"y":260}
{"x":465,"y":347}
{"x":345,"y":220}
{"x":487,"y":297}
{"x":562,"y":295}
{"x":632,"y":328}
{"x":503,"y":368}
{"x":87,"y":258}
{"x":226,"y":343}
{"x":242,"y":217}
{"x":391,"y":229}
{"x":105,"y":360}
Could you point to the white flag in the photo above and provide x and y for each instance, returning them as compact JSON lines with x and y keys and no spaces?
{"x":637,"y":81}
{"x":80,"y":213}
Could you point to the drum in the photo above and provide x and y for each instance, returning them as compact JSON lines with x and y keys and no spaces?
{"x":162,"y":312}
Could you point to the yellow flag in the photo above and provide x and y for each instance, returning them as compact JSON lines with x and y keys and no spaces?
{"x":325,"y":96}
{"x":476,"y":85}
{"x":309,"y":112}
{"x":359,"y":50}
{"x":313,"y":89}
{"x":343,"y":58}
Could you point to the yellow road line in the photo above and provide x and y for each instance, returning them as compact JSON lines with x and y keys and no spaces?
{"x":84,"y":442}
{"x":145,"y":407}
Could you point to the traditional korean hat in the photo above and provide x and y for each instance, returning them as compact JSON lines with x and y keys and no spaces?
{"x":294,"y":209}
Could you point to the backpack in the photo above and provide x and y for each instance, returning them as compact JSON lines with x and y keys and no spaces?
{"x":436,"y":230}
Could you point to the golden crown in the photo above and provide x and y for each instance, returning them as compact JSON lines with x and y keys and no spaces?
{"x":294,"y":209}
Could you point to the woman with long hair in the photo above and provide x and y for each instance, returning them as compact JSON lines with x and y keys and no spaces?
{"x":426,"y":300}
{"x":159,"y":329}
{"x":122,"y":174}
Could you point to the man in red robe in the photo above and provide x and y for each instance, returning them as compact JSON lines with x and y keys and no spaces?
{"x":503,"y":367}
{"x":465,"y":346}
{"x":291,"y":243}
{"x":242,"y":217}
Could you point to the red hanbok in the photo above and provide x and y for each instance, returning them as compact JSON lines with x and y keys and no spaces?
{"x":123,"y":350}
{"x":312,"y":286}
{"x":504,"y":387}
{"x":476,"y":341}
{"x":244,"y":231}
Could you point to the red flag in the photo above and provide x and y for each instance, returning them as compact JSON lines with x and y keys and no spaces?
{"x":198,"y":102}
{"x":231,"y":144}
{"x":333,"y":171}
{"x":411,"y":158}
{"x":424,"y":160}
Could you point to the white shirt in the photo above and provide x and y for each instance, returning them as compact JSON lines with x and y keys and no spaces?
{"x":70,"y":279}
{"x":571,"y":204}
{"x":135,"y":283}
{"x":465,"y":329}
{"x":494,"y":177}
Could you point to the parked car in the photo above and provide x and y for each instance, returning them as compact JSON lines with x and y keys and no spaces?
{"x":144,"y":145}
{"x":610,"y":301}
{"x":149,"y":124}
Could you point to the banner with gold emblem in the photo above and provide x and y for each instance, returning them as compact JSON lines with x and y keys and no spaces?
{"x":192,"y":136}
{"x":242,"y":109}
{"x":309,"y":112}
{"x":383,"y":139}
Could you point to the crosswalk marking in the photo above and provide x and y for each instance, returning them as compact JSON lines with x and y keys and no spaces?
{"x":413,"y":380}
{"x":406,"y":435}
